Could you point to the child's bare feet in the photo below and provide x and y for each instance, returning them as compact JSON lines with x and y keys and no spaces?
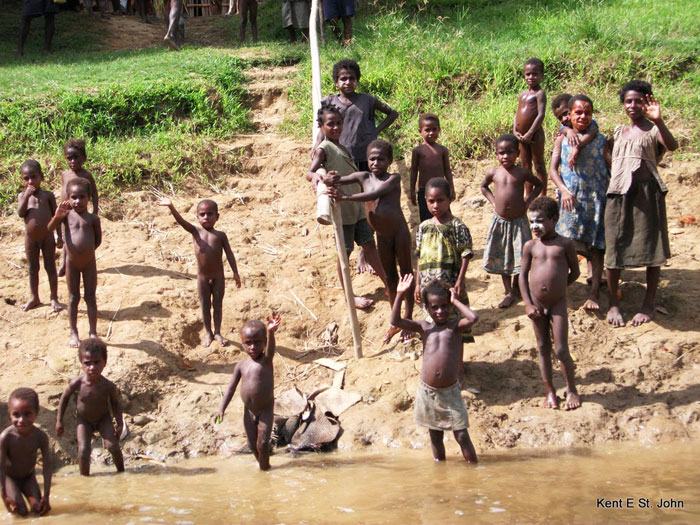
{"x":171,"y":42}
{"x":208,"y":338}
{"x":32,"y":303}
{"x":615,"y":317}
{"x":591,"y":305}
{"x":362,"y":303}
{"x":507,"y":301}
{"x":572,"y":401}
{"x":222,"y":340}
{"x":56,"y":306}
{"x":74,"y":341}
{"x":390,"y":334}
{"x":362,"y":265}
{"x":552,"y":401}
{"x":643,"y":316}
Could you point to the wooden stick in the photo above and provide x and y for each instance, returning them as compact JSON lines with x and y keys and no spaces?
{"x":109,"y":328}
{"x":303,"y":305}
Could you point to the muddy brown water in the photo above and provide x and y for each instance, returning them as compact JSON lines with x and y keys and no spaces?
{"x":404,"y":486}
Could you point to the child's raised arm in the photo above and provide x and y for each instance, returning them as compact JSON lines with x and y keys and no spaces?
{"x":273,"y":323}
{"x":230,"y":390}
{"x":532,"y":311}
{"x":469,"y":316}
{"x":652,"y":111}
{"x":165,"y":201}
{"x":23,"y":200}
{"x":63,"y":404}
{"x":404,"y":286}
{"x":391,"y":115}
{"x":59,"y":215}
{"x":231,"y":259}
{"x":47,"y":470}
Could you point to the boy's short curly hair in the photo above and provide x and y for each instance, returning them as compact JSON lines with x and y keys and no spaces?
{"x":546,"y":205}
{"x":74,"y":143}
{"x":384,"y":147}
{"x":534,"y":61}
{"x":254,"y":324}
{"x":428,"y":117}
{"x":557,"y":101}
{"x":439,"y":183}
{"x":26,"y":394}
{"x":434,"y":287}
{"x":327,"y":107}
{"x":32,"y":165}
{"x":582,"y":98}
{"x":507,"y":137}
{"x":209,"y":202}
{"x":635,"y":85}
{"x":348,"y":64}
{"x":82,"y":183}
{"x":93,"y":345}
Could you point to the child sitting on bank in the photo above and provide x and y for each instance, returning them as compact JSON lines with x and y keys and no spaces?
{"x":37,"y":207}
{"x":258,"y":387}
{"x":549,"y":266}
{"x":381,"y":192}
{"x":429,"y":160}
{"x":509,"y":229}
{"x":97,"y":404}
{"x":83,"y":235}
{"x":443,"y":245}
{"x":209,"y":246}
{"x":439,"y":404}
{"x":76,"y":156}
{"x":18,"y":447}
{"x":527,"y":125}
{"x":576,"y":139}
{"x":331,"y":158}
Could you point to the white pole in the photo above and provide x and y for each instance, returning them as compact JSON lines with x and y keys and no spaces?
{"x":324,"y":203}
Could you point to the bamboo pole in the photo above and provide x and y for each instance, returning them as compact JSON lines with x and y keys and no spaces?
{"x":324,"y":203}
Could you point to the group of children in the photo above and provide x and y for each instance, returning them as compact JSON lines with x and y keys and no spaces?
{"x":597,"y":213}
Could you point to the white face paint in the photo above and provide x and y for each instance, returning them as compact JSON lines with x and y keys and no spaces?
{"x":539,"y":223}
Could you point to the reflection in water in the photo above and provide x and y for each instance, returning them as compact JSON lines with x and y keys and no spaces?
{"x":399,"y":486}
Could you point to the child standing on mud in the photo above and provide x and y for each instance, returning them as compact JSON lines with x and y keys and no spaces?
{"x":527,"y":125}
{"x":98,"y":403}
{"x":439,"y":404}
{"x":76,"y":156}
{"x":258,"y":387}
{"x":381,"y":192}
{"x":18,"y":447}
{"x":83,"y":235}
{"x":37,"y":207}
{"x":549,"y":266}
{"x":509,"y":229}
{"x":331,"y":158}
{"x":209,"y":246}
{"x":443,"y":246}
{"x":429,"y":160}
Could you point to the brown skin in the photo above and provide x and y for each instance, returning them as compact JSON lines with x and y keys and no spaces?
{"x":248,"y":10}
{"x":331,"y":128}
{"x":75,"y":160}
{"x":577,"y":139}
{"x":644,"y":112}
{"x":257,"y":388}
{"x":508,"y":199}
{"x":36,"y":207}
{"x":429,"y":160}
{"x":581,"y":116}
{"x":83,"y":235}
{"x":442,"y":352}
{"x":527,"y":125}
{"x":381,"y":192}
{"x":549,"y":266}
{"x":18,"y":454}
{"x":209,"y":247}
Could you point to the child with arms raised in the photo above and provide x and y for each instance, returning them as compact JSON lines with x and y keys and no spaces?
{"x":83,"y":235}
{"x":549,"y":266}
{"x":98,"y":403}
{"x":439,"y":404}
{"x":429,"y":160}
{"x":209,"y":246}
{"x":37,"y":207}
{"x":381,"y":192}
{"x":509,"y":229}
{"x":258,"y":386}
{"x":18,"y":447}
{"x":527,"y":125}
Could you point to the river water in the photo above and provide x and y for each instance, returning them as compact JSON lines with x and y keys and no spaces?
{"x":406,"y":486}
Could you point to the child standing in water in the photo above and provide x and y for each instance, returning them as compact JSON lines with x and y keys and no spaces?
{"x":549,"y":266}
{"x":381,"y":192}
{"x":509,"y":229}
{"x":258,"y":387}
{"x":331,"y":158}
{"x":439,"y":404}
{"x":527,"y":125}
{"x":209,"y":246}
{"x":83,"y":235}
{"x":98,"y":403}
{"x":430,"y":160}
{"x":636,"y":230}
{"x":443,"y":245}
{"x":18,"y":447}
{"x":36,"y":207}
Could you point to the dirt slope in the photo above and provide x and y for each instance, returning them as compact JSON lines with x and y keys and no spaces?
{"x":636,"y":383}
